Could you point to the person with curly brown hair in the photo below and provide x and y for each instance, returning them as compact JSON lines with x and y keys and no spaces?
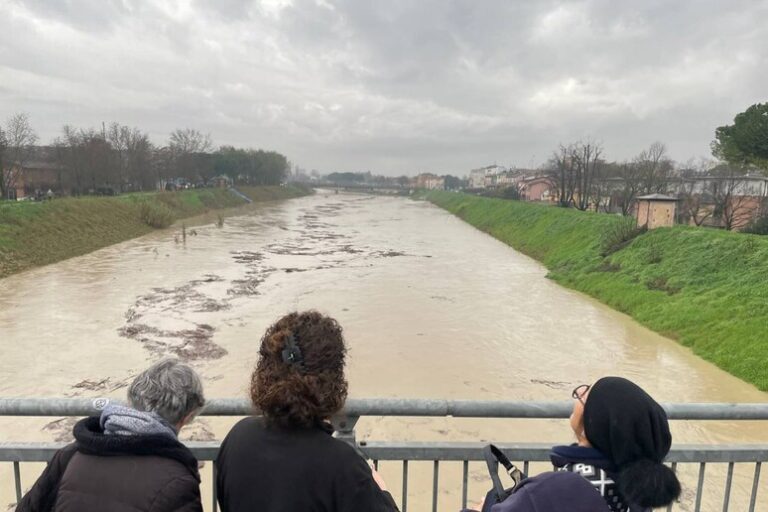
{"x":286,"y":460}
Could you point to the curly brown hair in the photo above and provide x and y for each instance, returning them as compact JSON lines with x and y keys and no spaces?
{"x":301,"y":395}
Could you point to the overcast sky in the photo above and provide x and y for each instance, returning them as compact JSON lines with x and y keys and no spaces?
{"x":391,"y":86}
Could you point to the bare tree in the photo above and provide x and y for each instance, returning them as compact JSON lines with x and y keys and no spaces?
{"x":139,"y":151}
{"x":187,"y":147}
{"x":631,"y":185}
{"x":70,"y":157}
{"x":189,"y":140}
{"x":3,"y":150}
{"x":654,"y":168}
{"x":87,"y":156}
{"x":586,"y":157}
{"x":117,"y":135}
{"x":131,"y":154}
{"x":59,"y":154}
{"x":602,"y":190}
{"x":574,"y":172}
{"x":696,"y":204}
{"x":734,"y":207}
{"x":96,"y":156}
{"x":562,"y":173}
{"x":696,"y":201}
{"x":19,"y":145}
{"x":161,"y":163}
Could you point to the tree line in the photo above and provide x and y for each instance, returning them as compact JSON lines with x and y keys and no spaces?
{"x":707,"y":190}
{"x":119,"y":158}
{"x":583,"y":179}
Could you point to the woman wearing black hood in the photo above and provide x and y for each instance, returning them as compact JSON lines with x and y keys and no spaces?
{"x":623,"y":437}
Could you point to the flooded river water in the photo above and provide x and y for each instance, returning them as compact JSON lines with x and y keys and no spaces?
{"x":431,"y":308}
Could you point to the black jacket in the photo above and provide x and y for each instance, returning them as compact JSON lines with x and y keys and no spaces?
{"x":117,"y":473}
{"x":272,"y":469}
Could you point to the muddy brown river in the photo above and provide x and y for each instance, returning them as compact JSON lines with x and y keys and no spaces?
{"x":431,"y":308}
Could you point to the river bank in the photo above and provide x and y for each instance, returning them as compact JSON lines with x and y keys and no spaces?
{"x":36,"y":234}
{"x":708,"y":289}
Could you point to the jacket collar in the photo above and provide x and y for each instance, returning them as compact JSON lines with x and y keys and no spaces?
{"x":562,"y":455}
{"x":90,"y":439}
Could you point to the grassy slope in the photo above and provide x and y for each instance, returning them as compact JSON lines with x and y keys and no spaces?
{"x":34,"y":234}
{"x":708,"y":289}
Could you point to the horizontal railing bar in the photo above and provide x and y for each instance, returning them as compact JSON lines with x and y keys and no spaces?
{"x":424,"y":451}
{"x":540,"y":452}
{"x":397,"y":407}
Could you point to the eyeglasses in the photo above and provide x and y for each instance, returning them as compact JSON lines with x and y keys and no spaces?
{"x":579,"y":392}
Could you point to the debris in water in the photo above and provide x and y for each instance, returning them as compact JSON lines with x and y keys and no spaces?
{"x":187,"y":344}
{"x":92,"y":385}
{"x":390,"y":254}
{"x":198,"y":430}
{"x":61,"y":429}
{"x":553,"y":384}
{"x":192,"y":340}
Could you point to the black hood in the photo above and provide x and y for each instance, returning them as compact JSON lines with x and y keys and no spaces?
{"x":90,"y":439}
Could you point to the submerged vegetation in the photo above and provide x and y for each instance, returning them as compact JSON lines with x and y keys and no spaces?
{"x":34,"y":234}
{"x":706,"y":288}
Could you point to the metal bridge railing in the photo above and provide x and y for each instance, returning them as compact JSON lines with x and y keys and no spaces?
{"x":700,"y":457}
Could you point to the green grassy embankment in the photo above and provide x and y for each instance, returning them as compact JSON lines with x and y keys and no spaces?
{"x":35,"y":234}
{"x":706,"y":288}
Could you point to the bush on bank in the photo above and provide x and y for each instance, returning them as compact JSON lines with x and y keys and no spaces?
{"x":34,"y":234}
{"x":706,"y":288}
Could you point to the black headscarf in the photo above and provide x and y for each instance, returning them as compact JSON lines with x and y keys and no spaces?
{"x":631,"y":429}
{"x":625,"y":423}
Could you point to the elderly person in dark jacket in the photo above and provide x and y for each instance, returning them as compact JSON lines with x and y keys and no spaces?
{"x":129,"y":458}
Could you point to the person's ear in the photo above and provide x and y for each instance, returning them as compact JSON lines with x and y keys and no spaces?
{"x":186,"y":420}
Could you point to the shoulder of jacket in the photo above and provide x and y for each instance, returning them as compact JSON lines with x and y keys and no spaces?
{"x":246,"y":429}
{"x":249,"y":424}
{"x":176,"y":492}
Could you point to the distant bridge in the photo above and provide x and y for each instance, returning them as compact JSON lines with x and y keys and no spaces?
{"x":364,"y":187}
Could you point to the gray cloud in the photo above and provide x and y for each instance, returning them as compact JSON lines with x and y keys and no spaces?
{"x":394,"y":87}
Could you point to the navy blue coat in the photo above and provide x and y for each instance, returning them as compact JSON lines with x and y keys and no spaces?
{"x":553,"y":491}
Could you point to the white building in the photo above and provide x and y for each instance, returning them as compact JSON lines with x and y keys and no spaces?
{"x":477,"y":178}
{"x":430,"y":181}
{"x":486,"y":177}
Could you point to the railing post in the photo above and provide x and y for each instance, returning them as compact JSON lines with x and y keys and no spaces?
{"x":17,"y":480}
{"x":345,"y":429}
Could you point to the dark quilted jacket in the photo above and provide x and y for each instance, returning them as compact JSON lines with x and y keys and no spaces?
{"x":117,"y":473}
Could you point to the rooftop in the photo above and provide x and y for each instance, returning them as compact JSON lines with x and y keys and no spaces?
{"x":657,"y":197}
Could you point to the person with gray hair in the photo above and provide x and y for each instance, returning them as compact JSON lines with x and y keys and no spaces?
{"x":129,"y":458}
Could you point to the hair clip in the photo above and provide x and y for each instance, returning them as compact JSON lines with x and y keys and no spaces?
{"x":292,"y":353}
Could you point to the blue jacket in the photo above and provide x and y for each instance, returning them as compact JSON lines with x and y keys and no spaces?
{"x":553,"y":492}
{"x":595,"y":467}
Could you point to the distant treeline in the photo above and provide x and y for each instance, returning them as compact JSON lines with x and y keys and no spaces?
{"x":121,"y":158}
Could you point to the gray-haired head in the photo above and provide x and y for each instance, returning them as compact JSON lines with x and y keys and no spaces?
{"x":168,"y":388}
